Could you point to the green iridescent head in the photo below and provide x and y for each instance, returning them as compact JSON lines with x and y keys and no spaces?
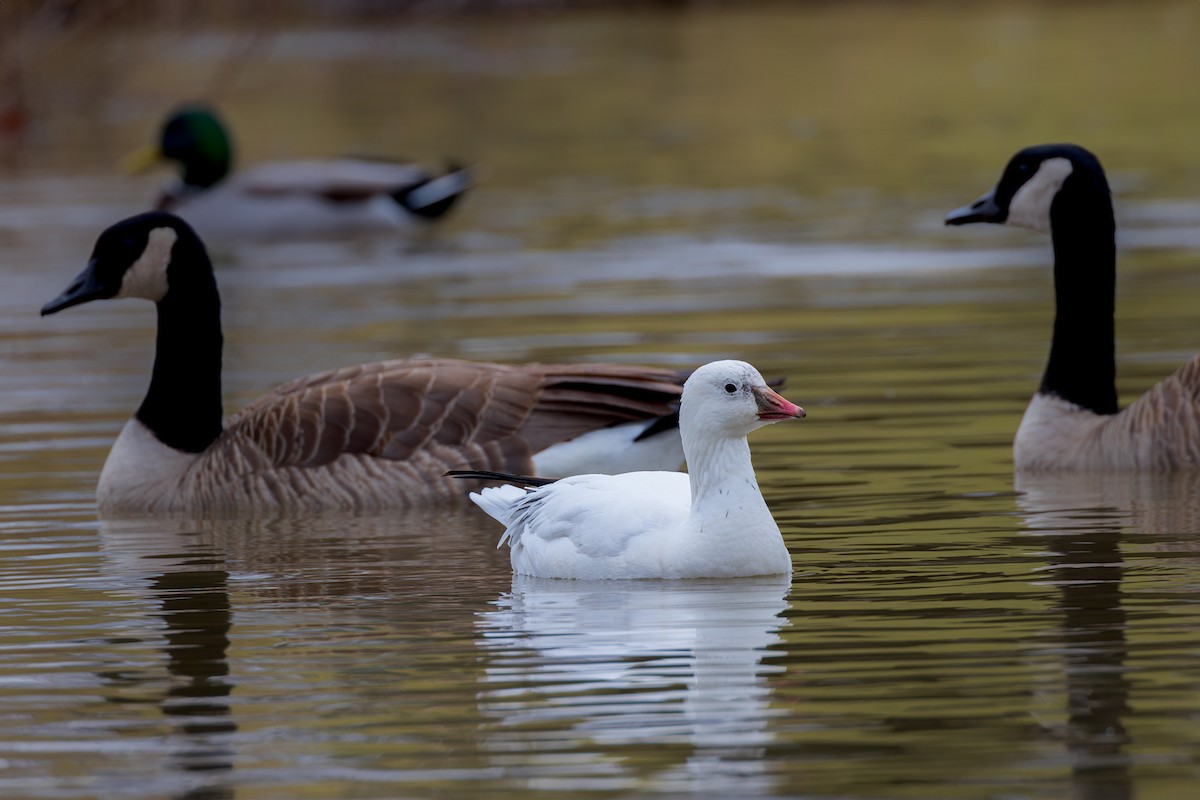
{"x":194,"y":137}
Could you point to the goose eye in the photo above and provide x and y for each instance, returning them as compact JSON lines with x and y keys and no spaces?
{"x":730,"y":388}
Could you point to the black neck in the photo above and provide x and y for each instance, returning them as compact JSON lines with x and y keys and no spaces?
{"x":183,"y":405}
{"x":1082,"y":369}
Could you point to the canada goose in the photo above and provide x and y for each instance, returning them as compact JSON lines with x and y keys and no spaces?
{"x":709,"y":523}
{"x":365,"y":437}
{"x":288,"y":198}
{"x":1073,"y":422}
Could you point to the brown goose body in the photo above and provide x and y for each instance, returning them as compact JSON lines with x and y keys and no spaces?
{"x":382,"y":435}
{"x":367,"y":437}
{"x":1073,"y":422}
{"x":1160,"y":431}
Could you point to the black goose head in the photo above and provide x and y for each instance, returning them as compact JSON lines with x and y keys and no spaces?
{"x":1031,"y":185}
{"x":138,"y":257}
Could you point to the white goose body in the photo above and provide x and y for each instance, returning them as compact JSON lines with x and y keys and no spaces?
{"x":1073,"y":423}
{"x":371,"y":436}
{"x":709,"y":523}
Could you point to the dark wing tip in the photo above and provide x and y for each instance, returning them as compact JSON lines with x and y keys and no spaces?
{"x":504,"y":477}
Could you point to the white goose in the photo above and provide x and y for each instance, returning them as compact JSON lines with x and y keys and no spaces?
{"x":370,"y":436}
{"x":709,"y":523}
{"x":1073,"y":421}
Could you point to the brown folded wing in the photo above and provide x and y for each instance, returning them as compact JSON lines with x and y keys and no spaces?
{"x":473,"y":415}
{"x":1162,"y":427}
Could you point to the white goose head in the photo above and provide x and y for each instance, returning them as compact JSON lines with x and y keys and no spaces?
{"x":1028,"y":194}
{"x":142,"y":256}
{"x":731,"y":399}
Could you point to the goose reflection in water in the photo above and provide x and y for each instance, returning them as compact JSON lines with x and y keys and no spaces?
{"x":170,"y":567}
{"x":1084,"y":520}
{"x":611,"y":666}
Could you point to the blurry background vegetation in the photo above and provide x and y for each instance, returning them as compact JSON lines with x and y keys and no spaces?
{"x":827,"y":120}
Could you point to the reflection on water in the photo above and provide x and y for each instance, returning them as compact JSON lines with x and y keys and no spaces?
{"x":309,"y":592}
{"x":195,"y":609}
{"x":1082,"y":542}
{"x":597,"y":668}
{"x":172,"y":568}
{"x":1145,"y":505}
{"x":1090,"y":526}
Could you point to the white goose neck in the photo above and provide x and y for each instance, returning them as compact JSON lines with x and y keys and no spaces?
{"x":721,"y":473}
{"x":730,"y":530}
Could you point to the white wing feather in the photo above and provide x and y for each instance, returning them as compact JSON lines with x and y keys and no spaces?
{"x":499,"y":502}
{"x":596,"y":516}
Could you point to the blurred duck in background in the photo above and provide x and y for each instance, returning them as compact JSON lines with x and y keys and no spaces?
{"x":308,"y":198}
{"x":366,"y":437}
{"x":1074,"y":422}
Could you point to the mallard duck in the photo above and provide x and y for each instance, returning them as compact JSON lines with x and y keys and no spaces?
{"x":1073,"y":421}
{"x":370,"y":436}
{"x":709,"y":523}
{"x":310,"y":198}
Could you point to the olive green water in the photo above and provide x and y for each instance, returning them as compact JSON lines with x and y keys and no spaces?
{"x":663,"y":187}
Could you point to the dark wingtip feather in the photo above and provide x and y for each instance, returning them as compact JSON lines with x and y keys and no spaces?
{"x":504,"y":477}
{"x":668,"y":422}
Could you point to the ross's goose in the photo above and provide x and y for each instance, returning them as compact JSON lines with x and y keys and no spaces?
{"x":709,"y":523}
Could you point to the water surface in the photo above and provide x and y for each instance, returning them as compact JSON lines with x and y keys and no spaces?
{"x":661,"y":187}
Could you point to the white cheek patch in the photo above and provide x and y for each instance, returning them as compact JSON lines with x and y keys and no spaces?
{"x":1030,"y":206}
{"x":147,"y":277}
